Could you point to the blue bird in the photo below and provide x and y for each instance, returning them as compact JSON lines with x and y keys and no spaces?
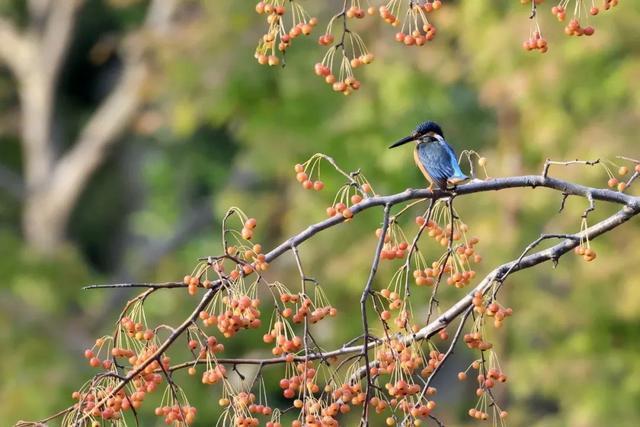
{"x":434,"y":156}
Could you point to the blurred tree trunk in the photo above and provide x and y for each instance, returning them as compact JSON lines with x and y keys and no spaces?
{"x":52,"y":183}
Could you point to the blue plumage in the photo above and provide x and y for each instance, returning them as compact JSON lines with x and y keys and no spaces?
{"x":434,"y":156}
{"x":439,"y":161}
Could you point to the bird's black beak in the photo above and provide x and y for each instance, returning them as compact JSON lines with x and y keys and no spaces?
{"x":404,"y":140}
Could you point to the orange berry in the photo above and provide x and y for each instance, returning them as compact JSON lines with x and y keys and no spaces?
{"x":347,"y":213}
{"x":462,"y":376}
{"x":622,"y":186}
{"x":612,"y":182}
{"x":307,"y":185}
{"x":318,"y":185}
{"x":298,"y":167}
{"x":247,"y":234}
{"x":623,"y":170}
{"x":355,"y":199}
{"x":301,"y":177}
{"x":273,"y":60}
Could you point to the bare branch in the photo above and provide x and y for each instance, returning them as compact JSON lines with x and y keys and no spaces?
{"x":548,"y":163}
{"x":15,"y":49}
{"x":366,"y":292}
{"x":56,"y":35}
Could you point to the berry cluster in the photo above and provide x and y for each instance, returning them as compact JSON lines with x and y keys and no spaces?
{"x":615,"y":182}
{"x":395,"y":243}
{"x":416,"y":30}
{"x":351,"y":49}
{"x":111,"y":409}
{"x":456,"y":264}
{"x":342,"y":80}
{"x":487,"y":379}
{"x":277,"y":35}
{"x":92,"y":355}
{"x":491,"y":309}
{"x":402,"y":361}
{"x":499,"y":313}
{"x":245,"y":408}
{"x":344,"y":200}
{"x":279,"y":335}
{"x":302,"y":380}
{"x":574,"y":29}
{"x":394,"y":299}
{"x":536,"y":42}
{"x":241,"y":313}
{"x":101,"y":402}
{"x":305,"y":308}
{"x":580,"y":12}
{"x":474,"y":340}
{"x":136,"y":330}
{"x":247,"y":230}
{"x":584,"y":249}
{"x":303,"y":179}
{"x":213,"y":374}
{"x":177,"y":413}
{"x":586,"y":253}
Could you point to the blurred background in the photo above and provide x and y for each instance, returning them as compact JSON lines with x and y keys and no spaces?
{"x":128,"y":127}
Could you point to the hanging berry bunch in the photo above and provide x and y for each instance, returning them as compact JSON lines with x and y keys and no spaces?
{"x":353,"y":192}
{"x":274,"y":43}
{"x":535,"y":41}
{"x":395,"y":242}
{"x":347,"y":50}
{"x":580,"y":12}
{"x":416,"y":29}
{"x":584,"y":248}
{"x":351,"y":52}
{"x":455,"y":262}
{"x":618,"y":173}
{"x":175,"y":408}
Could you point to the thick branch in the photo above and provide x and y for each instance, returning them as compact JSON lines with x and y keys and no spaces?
{"x":532,"y":181}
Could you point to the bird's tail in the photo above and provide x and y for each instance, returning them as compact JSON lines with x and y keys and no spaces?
{"x":457,"y":178}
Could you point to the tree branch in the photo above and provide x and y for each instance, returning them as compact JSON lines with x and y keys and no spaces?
{"x":630,"y":208}
{"x":15,"y":49}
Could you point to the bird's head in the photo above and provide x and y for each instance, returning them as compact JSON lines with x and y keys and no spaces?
{"x":426,"y":129}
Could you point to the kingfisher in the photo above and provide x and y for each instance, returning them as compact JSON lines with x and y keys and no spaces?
{"x":434,"y":156}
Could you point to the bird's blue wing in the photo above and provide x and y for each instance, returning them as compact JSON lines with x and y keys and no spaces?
{"x":437,"y":162}
{"x":457,"y":172}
